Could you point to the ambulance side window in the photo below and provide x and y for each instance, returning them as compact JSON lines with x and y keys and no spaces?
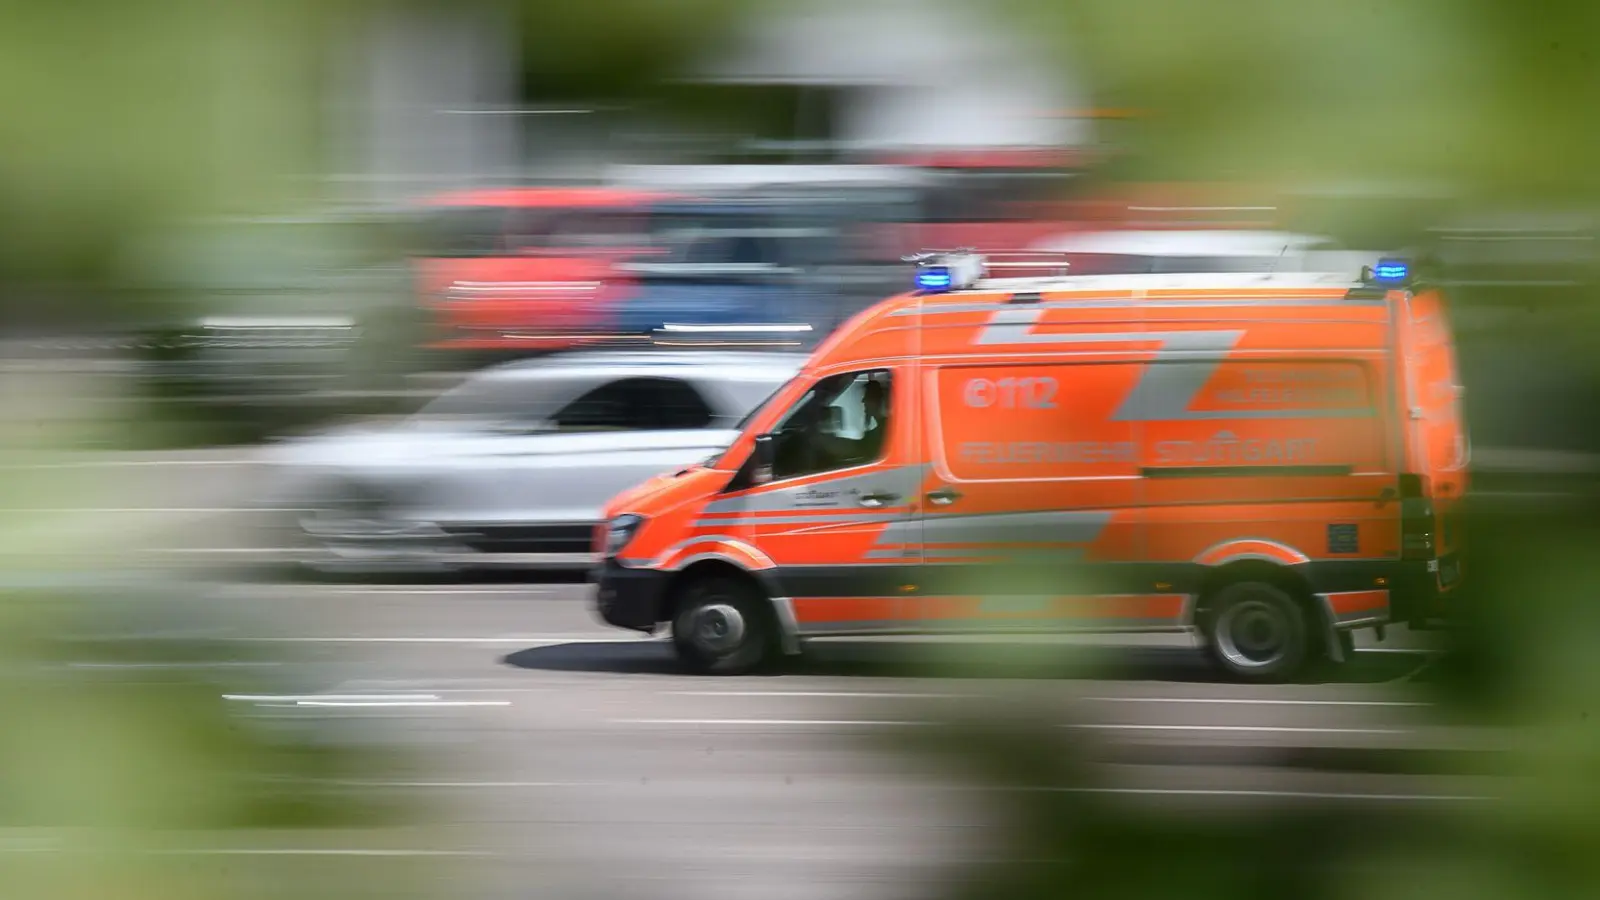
{"x":841,"y":423}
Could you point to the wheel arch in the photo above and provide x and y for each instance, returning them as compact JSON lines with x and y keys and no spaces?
{"x":779,"y":610}
{"x":1289,"y":578}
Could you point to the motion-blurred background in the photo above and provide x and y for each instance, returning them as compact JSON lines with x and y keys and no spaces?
{"x":225,"y":225}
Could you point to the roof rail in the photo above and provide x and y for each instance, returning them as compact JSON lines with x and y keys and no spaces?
{"x":1029,"y":259}
{"x":988,"y":260}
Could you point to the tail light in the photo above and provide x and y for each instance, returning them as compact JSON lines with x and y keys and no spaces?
{"x":1417,"y":537}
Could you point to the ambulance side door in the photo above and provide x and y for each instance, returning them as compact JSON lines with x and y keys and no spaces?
{"x":836,"y":518}
{"x":1032,"y":494}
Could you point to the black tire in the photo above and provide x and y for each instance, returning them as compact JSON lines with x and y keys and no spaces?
{"x":1257,"y":632}
{"x":722,"y":626}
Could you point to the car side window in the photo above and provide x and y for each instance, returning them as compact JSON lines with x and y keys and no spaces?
{"x":842,"y":422}
{"x":649,"y":404}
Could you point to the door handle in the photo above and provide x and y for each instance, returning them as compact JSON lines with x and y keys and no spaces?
{"x":879,"y":499}
{"x":944,"y":496}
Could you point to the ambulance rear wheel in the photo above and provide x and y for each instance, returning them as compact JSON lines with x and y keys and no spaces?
{"x":721,"y":627}
{"x":1256,"y":631}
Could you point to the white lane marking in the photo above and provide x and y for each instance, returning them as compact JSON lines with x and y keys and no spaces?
{"x":376,"y":590}
{"x":373,"y":686}
{"x":885,"y":694}
{"x":1199,"y":792}
{"x":325,"y":851}
{"x":295,"y":698}
{"x":488,"y":690}
{"x":785,"y":722}
{"x":133,"y":463}
{"x":876,"y":722}
{"x":1254,"y":729}
{"x":380,"y":704}
{"x":256,"y":550}
{"x":219,"y":664}
{"x":1297,"y":795}
{"x":403,"y":591}
{"x":1256,"y":701}
{"x":1404,"y":651}
{"x":481,"y":784}
{"x":526,"y":640}
{"x":163,"y":510}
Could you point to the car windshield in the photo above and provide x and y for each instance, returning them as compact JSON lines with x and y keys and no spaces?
{"x":487,"y":403}
{"x":744,"y":422}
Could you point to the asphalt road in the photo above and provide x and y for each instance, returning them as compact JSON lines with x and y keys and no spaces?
{"x":563,"y":758}
{"x":560,"y":751}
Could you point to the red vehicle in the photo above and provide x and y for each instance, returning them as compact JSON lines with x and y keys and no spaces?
{"x":1014,"y":199}
{"x":517,"y":270}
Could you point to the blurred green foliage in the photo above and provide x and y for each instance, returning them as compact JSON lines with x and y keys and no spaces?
{"x":124,"y":766}
{"x":120,"y":115}
{"x":1485,"y":104}
{"x":1485,"y":96}
{"x":620,"y":50}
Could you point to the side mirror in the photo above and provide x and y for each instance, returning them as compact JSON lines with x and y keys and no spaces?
{"x":762,"y":458}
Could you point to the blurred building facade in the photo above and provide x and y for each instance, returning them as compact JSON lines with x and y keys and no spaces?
{"x":423,"y":96}
{"x":430,"y":95}
{"x":911,"y":75}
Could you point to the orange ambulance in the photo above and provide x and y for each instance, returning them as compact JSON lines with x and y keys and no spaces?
{"x":1267,"y":461}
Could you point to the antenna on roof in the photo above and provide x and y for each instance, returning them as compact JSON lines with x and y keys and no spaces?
{"x":1279,"y":259}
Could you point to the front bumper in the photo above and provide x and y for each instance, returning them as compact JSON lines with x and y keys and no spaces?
{"x":629,"y":598}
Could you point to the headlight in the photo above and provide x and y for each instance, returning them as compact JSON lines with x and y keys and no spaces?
{"x":619,"y":532}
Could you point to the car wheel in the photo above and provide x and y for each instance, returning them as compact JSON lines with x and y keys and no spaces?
{"x":1257,"y":632}
{"x":721,"y":627}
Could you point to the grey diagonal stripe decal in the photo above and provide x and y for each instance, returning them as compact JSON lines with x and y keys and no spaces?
{"x":825,"y":518}
{"x":1016,"y":326}
{"x":1061,"y":556}
{"x":998,"y":528}
{"x":830,"y":495}
{"x":1163,"y":392}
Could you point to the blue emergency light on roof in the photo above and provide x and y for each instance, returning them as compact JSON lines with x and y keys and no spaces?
{"x":1391,"y":271}
{"x":940,"y":272}
{"x":934,"y":278}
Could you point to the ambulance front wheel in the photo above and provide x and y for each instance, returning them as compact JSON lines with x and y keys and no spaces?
{"x":721,"y":626}
{"x":1256,"y":631}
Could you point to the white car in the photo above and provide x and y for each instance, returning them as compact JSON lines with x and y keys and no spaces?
{"x":512,"y":467}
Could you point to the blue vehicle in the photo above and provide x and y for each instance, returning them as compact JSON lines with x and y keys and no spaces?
{"x":725,"y":263}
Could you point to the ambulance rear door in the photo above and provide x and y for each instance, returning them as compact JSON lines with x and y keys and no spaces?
{"x":1438,"y":447}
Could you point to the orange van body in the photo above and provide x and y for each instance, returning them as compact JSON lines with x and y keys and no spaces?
{"x":1106,"y":453}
